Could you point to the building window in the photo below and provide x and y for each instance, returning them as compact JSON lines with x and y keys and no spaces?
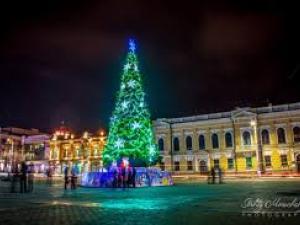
{"x":215,"y":141}
{"x":189,"y":143}
{"x":162,"y":166}
{"x":177,"y":166}
{"x":228,"y":140}
{"x":284,"y":161}
{"x":203,"y":167}
{"x":176,"y":144}
{"x":216,"y":163}
{"x":248,"y":162}
{"x":265,"y":137}
{"x":281,"y":136}
{"x":296,"y":132}
{"x":230,"y":164}
{"x":247,"y":138}
{"x":189,"y":165}
{"x":161,"y":144}
{"x":201,"y":142}
{"x":268,"y":161}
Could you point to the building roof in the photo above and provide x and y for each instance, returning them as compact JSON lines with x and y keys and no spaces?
{"x":20,"y":131}
{"x":259,"y":110}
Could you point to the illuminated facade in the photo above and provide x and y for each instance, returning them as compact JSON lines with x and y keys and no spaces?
{"x":244,"y":141}
{"x":83,"y":153}
{"x":18,"y":144}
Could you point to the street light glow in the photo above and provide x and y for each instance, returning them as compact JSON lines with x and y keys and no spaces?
{"x":253,"y":123}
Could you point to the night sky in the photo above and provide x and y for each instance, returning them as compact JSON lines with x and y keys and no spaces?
{"x":62,"y":60}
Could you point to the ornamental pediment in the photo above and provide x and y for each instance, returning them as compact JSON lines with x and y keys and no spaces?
{"x":243,"y":113}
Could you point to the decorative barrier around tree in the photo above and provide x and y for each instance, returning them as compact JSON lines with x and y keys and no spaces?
{"x":144,"y":177}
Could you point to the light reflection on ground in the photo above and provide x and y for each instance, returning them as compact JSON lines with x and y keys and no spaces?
{"x":195,"y":203}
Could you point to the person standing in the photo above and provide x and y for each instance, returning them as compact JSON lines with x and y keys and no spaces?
{"x":49,"y":176}
{"x":73,"y":179}
{"x":14,"y":177}
{"x":125,"y":176}
{"x":129,"y":180}
{"x":23,"y":178}
{"x":115,"y":177}
{"x":66,"y":174}
{"x":30,"y":178}
{"x":120,"y":177}
{"x":133,"y":176}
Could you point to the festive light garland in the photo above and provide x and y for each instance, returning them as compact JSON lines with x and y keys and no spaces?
{"x":130,"y":131}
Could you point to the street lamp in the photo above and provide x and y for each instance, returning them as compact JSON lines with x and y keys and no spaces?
{"x":253,"y":124}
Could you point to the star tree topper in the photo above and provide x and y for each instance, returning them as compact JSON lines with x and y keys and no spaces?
{"x":132,"y":45}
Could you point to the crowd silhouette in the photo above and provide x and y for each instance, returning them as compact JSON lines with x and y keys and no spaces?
{"x":24,"y":176}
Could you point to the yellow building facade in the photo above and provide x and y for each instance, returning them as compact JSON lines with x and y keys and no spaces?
{"x":84,"y":152}
{"x":264,"y":140}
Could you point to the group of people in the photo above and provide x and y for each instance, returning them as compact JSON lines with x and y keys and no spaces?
{"x":123,"y":176}
{"x":215,"y":173}
{"x":70,"y":179}
{"x":25,"y":175}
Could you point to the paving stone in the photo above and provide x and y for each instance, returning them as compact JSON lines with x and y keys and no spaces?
{"x":196,"y":203}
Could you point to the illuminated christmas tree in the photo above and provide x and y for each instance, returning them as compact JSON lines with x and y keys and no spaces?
{"x":130,"y":131}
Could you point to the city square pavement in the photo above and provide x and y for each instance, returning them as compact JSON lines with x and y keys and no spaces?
{"x":184,"y":203}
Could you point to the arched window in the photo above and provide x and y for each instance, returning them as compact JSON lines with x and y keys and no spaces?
{"x":228,"y":140}
{"x":247,"y":138}
{"x":161,"y":144}
{"x":281,"y":136}
{"x":215,"y":141}
{"x":296,"y":132}
{"x":176,"y":144}
{"x":265,"y":137}
{"x":201,"y":142}
{"x":189,"y":143}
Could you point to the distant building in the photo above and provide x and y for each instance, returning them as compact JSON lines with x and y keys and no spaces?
{"x":18,"y":144}
{"x":36,"y":151}
{"x":245,"y":140}
{"x":83,"y":153}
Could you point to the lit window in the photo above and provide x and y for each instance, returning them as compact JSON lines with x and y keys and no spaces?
{"x":248,"y":162}
{"x":203,"y":167}
{"x":284,"y":161}
{"x":216,"y":163}
{"x":189,"y":165}
{"x":268,"y":161}
{"x":230,"y":164}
